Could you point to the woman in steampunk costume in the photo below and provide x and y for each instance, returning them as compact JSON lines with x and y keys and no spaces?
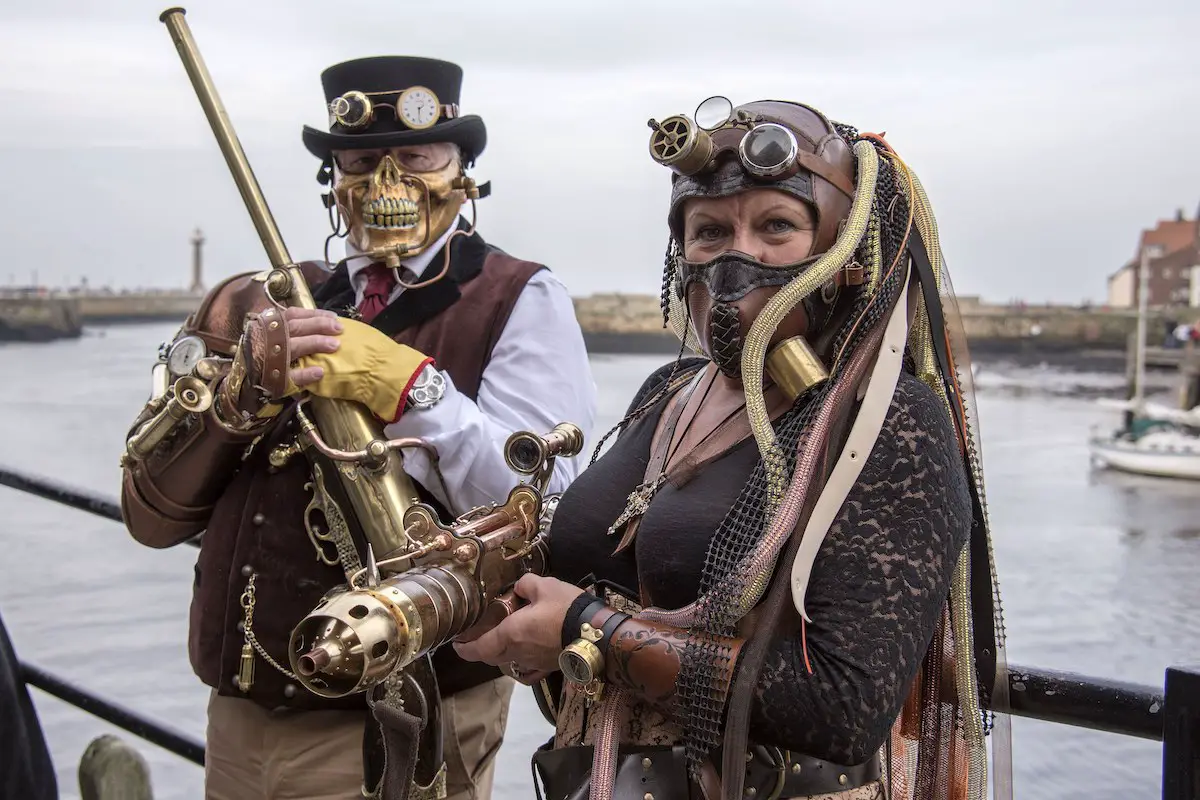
{"x":785,"y":557}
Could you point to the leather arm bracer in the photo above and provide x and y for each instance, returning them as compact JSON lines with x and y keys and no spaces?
{"x":167,"y":496}
{"x":645,"y":657}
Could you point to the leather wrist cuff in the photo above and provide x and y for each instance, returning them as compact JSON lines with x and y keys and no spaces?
{"x":276,"y":354}
{"x":574,"y":617}
{"x":606,"y":620}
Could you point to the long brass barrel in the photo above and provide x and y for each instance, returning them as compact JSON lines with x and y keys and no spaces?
{"x":378,"y":493}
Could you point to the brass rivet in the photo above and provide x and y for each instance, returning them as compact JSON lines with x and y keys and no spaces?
{"x":842,"y":779}
{"x":274,"y":373}
{"x":289,"y":691}
{"x":278,"y":348}
{"x":647,"y":796}
{"x":247,"y":570}
{"x":795,"y":769}
{"x":274,"y":325}
{"x":751,"y":792}
{"x":646,"y":763}
{"x":749,"y":757}
{"x":258,"y":518}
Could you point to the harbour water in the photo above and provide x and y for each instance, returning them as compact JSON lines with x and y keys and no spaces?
{"x":1098,"y":571}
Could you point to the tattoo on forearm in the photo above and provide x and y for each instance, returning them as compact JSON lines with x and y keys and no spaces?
{"x":645,"y":657}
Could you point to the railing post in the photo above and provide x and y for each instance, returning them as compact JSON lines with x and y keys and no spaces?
{"x":1181,"y":735}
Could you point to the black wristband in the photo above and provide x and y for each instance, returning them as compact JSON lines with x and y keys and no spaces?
{"x":570,"y":626}
{"x":610,"y":626}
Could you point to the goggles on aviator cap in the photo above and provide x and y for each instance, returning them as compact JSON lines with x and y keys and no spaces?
{"x":767,"y":150}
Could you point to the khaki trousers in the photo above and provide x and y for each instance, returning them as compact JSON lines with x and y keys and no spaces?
{"x":255,"y":754}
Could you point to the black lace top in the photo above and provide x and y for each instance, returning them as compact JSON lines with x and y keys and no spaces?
{"x":877,"y":587}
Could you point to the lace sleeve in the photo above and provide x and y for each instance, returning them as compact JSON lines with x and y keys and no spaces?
{"x":876,"y":592}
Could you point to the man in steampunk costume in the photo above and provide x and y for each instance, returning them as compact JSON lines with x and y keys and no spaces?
{"x":454,"y":343}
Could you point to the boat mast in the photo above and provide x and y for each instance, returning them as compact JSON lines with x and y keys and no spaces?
{"x":1139,"y":375}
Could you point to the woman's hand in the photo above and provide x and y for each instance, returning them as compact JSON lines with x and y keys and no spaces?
{"x":527,"y":643}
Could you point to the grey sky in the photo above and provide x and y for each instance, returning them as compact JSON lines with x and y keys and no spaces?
{"x":1046,"y":133}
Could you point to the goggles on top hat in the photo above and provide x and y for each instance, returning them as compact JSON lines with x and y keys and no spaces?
{"x":417,"y":107}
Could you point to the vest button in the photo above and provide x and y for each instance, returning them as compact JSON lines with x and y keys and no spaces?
{"x":258,"y":519}
{"x":247,"y":570}
{"x":289,"y":691}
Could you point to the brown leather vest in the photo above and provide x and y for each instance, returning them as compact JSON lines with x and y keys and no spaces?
{"x":257,"y":525}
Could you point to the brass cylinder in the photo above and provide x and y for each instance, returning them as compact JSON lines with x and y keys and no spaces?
{"x":357,"y":637}
{"x":794,"y":367}
{"x":190,"y":396}
{"x":525,"y":452}
{"x":680,"y":144}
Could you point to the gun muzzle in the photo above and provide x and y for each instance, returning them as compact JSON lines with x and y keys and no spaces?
{"x":357,"y":637}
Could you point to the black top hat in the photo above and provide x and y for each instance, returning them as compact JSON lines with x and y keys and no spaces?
{"x":384,"y":80}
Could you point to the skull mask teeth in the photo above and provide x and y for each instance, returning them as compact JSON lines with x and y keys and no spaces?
{"x":391,"y":214}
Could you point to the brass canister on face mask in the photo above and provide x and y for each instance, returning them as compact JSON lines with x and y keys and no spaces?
{"x":794,"y":367}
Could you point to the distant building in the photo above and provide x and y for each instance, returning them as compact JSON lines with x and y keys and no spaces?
{"x":1173,"y":267}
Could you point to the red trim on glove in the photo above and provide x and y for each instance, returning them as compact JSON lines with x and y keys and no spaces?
{"x":407,"y":389}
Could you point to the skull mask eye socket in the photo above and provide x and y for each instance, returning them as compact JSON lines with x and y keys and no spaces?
{"x":416,"y":158}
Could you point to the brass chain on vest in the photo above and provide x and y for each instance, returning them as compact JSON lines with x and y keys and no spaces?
{"x":246,"y":666}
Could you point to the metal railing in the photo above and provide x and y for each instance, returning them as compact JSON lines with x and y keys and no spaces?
{"x":1170,"y":715}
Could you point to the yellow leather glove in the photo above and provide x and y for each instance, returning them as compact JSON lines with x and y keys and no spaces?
{"x":368,"y":367}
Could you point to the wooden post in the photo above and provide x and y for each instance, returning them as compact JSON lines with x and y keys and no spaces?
{"x":112,"y":770}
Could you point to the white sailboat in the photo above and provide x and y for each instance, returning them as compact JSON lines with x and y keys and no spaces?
{"x":1155,"y":439}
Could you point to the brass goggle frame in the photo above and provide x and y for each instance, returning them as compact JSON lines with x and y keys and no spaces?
{"x":355,"y":109}
{"x":767,"y":150}
{"x":688,"y":146}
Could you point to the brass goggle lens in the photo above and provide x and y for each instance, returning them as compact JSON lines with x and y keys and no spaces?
{"x":352,"y":110}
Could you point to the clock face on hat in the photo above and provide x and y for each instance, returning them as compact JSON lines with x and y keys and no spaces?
{"x":419,"y":107}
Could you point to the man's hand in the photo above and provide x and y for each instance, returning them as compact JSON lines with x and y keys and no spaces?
{"x":309,"y":331}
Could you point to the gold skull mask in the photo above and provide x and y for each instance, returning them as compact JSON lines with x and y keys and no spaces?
{"x":403,"y":196}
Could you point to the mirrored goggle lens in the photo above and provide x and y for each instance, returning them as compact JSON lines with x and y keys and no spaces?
{"x":768,"y":150}
{"x":352,"y":109}
{"x":713,"y":112}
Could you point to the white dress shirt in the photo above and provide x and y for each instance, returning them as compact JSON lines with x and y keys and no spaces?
{"x":538,"y":376}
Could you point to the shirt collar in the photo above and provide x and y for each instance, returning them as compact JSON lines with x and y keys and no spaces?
{"x":418,"y":264}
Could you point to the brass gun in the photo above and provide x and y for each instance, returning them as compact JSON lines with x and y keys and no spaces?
{"x":455,"y":584}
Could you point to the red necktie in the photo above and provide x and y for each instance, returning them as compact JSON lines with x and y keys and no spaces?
{"x":380,"y":283}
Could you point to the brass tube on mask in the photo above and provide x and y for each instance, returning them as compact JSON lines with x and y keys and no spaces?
{"x":794,"y":367}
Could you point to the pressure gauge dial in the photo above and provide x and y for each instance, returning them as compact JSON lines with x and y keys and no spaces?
{"x":184,"y":354}
{"x":419,"y":107}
